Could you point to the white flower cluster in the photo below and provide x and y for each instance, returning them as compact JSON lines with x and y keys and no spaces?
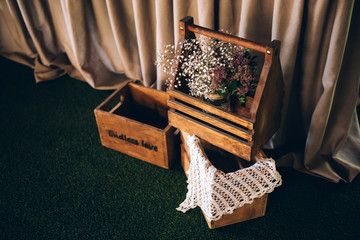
{"x":195,"y":58}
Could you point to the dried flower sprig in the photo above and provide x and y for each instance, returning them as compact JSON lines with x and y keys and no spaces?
{"x":210,"y":66}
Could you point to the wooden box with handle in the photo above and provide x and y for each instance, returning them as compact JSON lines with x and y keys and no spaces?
{"x":133,"y":120}
{"x":245,"y":129}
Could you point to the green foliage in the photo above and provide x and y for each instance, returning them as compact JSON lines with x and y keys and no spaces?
{"x":232,"y":86}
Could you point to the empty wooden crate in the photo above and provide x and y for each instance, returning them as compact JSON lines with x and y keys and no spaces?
{"x":133,"y":120}
{"x":245,"y":129}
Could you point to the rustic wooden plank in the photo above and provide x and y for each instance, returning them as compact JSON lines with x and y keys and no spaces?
{"x":216,"y":137}
{"x":247,"y":123}
{"x":188,"y":26}
{"x":260,"y":86}
{"x":184,"y":136}
{"x":143,"y":95}
{"x":185,"y":162}
{"x":184,"y":27}
{"x":151,"y":98}
{"x":215,"y":121}
{"x":171,"y":145}
{"x":247,"y":212}
{"x":268,"y":112}
{"x":241,"y":110}
{"x":227,"y":38}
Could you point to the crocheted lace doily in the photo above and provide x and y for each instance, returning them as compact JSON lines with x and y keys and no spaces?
{"x":218,"y":193}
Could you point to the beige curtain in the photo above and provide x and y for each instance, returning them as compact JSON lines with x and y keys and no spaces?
{"x":104,"y":42}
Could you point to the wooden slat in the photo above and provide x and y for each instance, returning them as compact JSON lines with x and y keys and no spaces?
{"x":207,"y":107}
{"x":249,"y":211}
{"x":170,"y":144}
{"x":150,"y":98}
{"x":227,"y":38}
{"x":217,"y":122}
{"x":185,"y":163}
{"x":229,"y":143}
{"x":144,"y":95}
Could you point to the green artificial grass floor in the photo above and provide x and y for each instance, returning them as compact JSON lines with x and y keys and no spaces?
{"x":58,"y":182}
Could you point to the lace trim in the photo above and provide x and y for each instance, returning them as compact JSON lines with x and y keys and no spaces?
{"x":218,"y":193}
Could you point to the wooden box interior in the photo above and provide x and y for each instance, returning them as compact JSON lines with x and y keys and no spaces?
{"x":141,"y":104}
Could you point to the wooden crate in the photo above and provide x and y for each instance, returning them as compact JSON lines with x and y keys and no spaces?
{"x":246,"y":129}
{"x":133,"y":120}
{"x":247,"y":212}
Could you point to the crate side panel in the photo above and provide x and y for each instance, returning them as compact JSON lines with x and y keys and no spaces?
{"x":216,"y":137}
{"x":268,"y":115}
{"x":151,"y":98}
{"x":185,"y":162}
{"x":171,"y":145}
{"x":247,"y":212}
{"x":132,"y":138}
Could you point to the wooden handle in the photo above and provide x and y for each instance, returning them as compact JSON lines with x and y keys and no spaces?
{"x":186,"y":26}
{"x":115,"y":95}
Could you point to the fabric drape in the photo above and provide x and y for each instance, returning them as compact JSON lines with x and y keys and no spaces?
{"x":104,"y":42}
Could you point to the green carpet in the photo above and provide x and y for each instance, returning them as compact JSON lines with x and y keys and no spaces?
{"x":58,"y":182}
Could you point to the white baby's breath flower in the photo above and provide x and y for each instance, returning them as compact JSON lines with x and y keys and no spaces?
{"x":196,"y":59}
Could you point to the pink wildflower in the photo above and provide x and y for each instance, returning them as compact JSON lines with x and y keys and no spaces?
{"x":218,"y":77}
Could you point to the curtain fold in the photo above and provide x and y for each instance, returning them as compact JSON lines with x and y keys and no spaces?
{"x":106,"y":42}
{"x":330,"y":49}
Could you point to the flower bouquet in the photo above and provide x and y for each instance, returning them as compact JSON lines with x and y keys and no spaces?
{"x":214,"y":70}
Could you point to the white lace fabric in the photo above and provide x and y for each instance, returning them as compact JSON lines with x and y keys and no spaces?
{"x":218,"y":193}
